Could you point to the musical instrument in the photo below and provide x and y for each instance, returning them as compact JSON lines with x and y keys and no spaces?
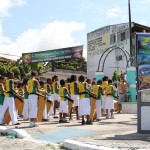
{"x":41,"y":105}
{"x":18,"y":103}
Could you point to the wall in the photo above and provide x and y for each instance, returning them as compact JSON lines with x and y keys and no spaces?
{"x":96,"y":47}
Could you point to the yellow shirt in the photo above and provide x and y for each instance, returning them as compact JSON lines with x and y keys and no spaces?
{"x":104,"y":86}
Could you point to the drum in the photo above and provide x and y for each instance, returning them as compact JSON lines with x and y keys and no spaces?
{"x":70,"y":105}
{"x":49,"y":105}
{"x":7,"y":117}
{"x":20,"y":109}
{"x":41,"y":106}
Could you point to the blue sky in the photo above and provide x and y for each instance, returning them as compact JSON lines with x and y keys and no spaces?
{"x":35,"y":25}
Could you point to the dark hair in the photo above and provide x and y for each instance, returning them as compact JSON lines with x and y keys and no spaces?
{"x":62,"y":82}
{"x":73,"y":78}
{"x":68,"y":80}
{"x":105,"y":78}
{"x":33,"y":73}
{"x":99,"y":82}
{"x":48,"y":79}
{"x":54,"y":77}
{"x":109,"y":81}
{"x":81,"y":78}
{"x":25,"y":81}
{"x":10,"y":73}
{"x":41,"y":83}
{"x":2,"y":77}
{"x":88,"y":80}
{"x":19,"y":84}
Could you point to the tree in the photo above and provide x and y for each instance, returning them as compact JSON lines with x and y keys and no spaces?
{"x":116,"y":76}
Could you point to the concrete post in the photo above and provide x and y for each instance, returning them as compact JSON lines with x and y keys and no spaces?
{"x":99,"y":75}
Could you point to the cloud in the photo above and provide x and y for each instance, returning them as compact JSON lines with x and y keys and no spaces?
{"x":5,"y":5}
{"x":143,"y":22}
{"x":51,"y":36}
{"x":115,"y":12}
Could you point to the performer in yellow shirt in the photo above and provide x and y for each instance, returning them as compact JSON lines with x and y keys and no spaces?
{"x":104,"y":86}
{"x":74,"y":94}
{"x":55,"y":95}
{"x":26,"y":100}
{"x":110,"y":92}
{"x":96,"y":102}
{"x":33,"y":87}
{"x":2,"y":90}
{"x":64,"y":94}
{"x":9,"y":100}
{"x":84,"y":100}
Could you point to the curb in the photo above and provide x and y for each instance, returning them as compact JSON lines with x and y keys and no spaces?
{"x":76,"y":145}
{"x":18,"y":133}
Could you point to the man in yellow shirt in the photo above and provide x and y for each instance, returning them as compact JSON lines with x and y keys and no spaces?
{"x":9,"y":101}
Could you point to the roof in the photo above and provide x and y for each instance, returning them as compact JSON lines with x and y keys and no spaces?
{"x":3,"y":59}
{"x":139,"y":27}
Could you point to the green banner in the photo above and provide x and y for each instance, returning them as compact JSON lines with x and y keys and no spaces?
{"x":50,"y":55}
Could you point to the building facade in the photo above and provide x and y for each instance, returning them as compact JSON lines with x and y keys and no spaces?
{"x":98,"y":41}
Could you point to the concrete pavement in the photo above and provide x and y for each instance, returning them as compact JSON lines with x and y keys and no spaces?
{"x":118,"y":133}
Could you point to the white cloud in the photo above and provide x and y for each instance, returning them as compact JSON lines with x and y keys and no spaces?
{"x":143,"y":22}
{"x":50,"y":36}
{"x":5,"y":5}
{"x":53,"y":35}
{"x":115,"y":12}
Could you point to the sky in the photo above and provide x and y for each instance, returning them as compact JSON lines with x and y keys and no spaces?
{"x":37,"y":25}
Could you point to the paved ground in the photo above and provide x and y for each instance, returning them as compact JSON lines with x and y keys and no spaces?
{"x":118,"y":133}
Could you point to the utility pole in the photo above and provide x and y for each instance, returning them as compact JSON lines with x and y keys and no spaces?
{"x":130,"y":29}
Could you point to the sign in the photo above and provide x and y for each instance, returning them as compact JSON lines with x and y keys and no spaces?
{"x":143,"y":60}
{"x":56,"y":54}
{"x":96,"y":46}
{"x":145,"y":96}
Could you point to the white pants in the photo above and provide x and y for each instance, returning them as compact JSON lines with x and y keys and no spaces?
{"x":104,"y":102}
{"x":33,"y":102}
{"x":109,"y":102}
{"x":98,"y":109}
{"x":10,"y":104}
{"x":76,"y":99}
{"x":45,"y":112}
{"x":51,"y":111}
{"x":1,"y":106}
{"x":63,"y":107}
{"x":55,"y":97}
{"x":84,"y":106}
{"x":26,"y":109}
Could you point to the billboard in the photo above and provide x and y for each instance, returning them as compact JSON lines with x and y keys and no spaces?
{"x":50,"y":55}
{"x":143,"y":60}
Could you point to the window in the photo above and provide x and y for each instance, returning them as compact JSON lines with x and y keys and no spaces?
{"x":113,"y":39}
{"x":123,"y":36}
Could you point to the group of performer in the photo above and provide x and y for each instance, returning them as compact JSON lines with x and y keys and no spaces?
{"x":35,"y":100}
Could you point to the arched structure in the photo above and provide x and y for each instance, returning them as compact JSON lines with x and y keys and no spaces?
{"x":109,"y":50}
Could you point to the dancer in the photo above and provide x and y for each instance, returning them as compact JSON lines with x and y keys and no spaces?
{"x":9,"y":101}
{"x":74,"y":94}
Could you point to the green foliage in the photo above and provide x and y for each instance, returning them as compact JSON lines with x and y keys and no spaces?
{"x":116,"y":76}
{"x":21,"y":70}
{"x":16,"y":72}
{"x":3,"y":70}
{"x":74,"y":64}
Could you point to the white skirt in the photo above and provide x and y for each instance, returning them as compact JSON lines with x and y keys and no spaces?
{"x":84,"y":106}
{"x":109,"y":102}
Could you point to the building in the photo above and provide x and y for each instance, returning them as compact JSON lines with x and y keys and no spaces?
{"x":98,"y":41}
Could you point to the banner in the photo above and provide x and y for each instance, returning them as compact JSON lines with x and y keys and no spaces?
{"x":143,"y":60}
{"x":56,"y":54}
